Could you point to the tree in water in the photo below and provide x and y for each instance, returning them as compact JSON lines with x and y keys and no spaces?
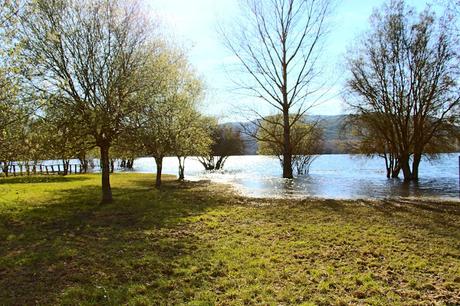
{"x":225,"y":142}
{"x":404,"y":85}
{"x":306,"y":141}
{"x":278,"y":44}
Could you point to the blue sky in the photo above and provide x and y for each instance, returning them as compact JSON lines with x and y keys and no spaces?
{"x":193,"y":24}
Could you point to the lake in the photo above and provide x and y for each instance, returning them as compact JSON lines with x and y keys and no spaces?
{"x":331,"y":176}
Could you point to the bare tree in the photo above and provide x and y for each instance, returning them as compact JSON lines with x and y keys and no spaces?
{"x":405,"y":79}
{"x":278,"y":45}
{"x":87,"y":55}
{"x":375,"y":139}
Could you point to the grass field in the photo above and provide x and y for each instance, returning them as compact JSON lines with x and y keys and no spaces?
{"x":200,"y":244}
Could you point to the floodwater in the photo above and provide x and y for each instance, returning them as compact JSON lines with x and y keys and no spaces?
{"x":331,"y":176}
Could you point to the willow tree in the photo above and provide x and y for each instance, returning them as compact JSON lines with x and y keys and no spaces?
{"x":87,"y":55}
{"x":226,"y":142}
{"x":168,"y":100}
{"x":278,"y":44}
{"x":405,"y":75}
{"x":193,"y":137}
{"x":12,"y":108}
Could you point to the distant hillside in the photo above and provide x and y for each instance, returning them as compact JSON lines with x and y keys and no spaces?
{"x":334,"y":142}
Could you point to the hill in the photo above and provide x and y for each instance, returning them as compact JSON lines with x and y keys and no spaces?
{"x":334,"y":142}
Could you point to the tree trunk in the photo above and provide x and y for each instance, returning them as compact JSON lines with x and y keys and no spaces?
{"x":287,"y":154}
{"x":181,"y":167}
{"x":415,"y":165}
{"x":83,"y":162}
{"x":5,"y":168}
{"x":159,"y":162}
{"x":404,"y":163}
{"x":65,"y":164}
{"x":130,"y":163}
{"x":105,"y":170}
{"x":219,"y":163}
{"x":387,"y":165}
{"x":112,"y":165}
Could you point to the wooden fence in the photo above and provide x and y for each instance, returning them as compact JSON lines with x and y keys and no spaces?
{"x":40,"y":169}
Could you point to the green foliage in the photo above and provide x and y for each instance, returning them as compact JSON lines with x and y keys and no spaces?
{"x":225,"y":142}
{"x":169,"y":123}
{"x":199,"y":244}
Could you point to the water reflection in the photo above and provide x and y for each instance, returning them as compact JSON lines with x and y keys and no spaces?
{"x":331,"y":176}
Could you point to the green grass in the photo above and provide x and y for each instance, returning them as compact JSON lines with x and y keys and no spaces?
{"x":200,"y":244}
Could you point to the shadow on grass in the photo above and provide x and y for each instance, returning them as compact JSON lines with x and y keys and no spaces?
{"x":440,"y":218}
{"x":144,"y":244}
{"x":77,"y":249}
{"x":41,"y":179}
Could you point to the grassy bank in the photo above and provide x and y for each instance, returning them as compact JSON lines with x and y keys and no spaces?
{"x":198,"y":243}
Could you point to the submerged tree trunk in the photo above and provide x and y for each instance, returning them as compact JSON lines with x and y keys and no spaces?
{"x":287,"y":152}
{"x":130,"y":163}
{"x":405,"y":167}
{"x":181,"y":167}
{"x":415,"y":165}
{"x":220,"y":162}
{"x":105,"y":170}
{"x":159,"y":163}
{"x":207,"y":162}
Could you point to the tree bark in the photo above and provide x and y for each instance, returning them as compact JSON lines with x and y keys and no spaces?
{"x":287,"y":154}
{"x":5,"y":168}
{"x":112,"y":165}
{"x":159,"y":163}
{"x":105,"y":170}
{"x":65,"y":164}
{"x":181,"y":167}
{"x":130,"y":163}
{"x":404,"y":164}
{"x":415,"y":165}
{"x":83,"y":162}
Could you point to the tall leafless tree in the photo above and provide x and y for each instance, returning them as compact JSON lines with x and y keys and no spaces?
{"x":405,"y":77}
{"x":278,"y":45}
{"x":87,"y":55}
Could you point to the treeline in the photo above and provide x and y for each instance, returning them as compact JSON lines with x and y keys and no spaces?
{"x":86,"y":79}
{"x":96,"y":78}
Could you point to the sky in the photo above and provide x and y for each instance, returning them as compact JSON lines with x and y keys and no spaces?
{"x":193,"y":25}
